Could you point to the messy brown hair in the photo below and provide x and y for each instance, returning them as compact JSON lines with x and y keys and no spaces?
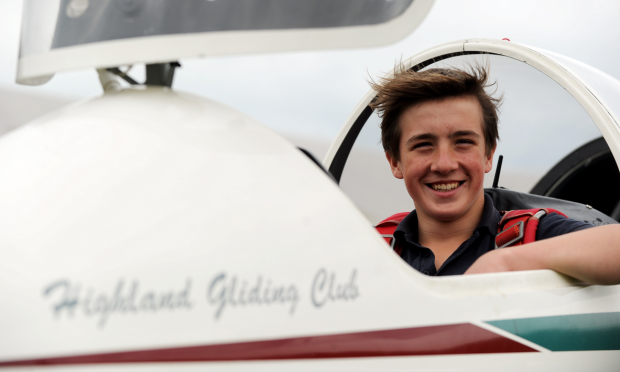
{"x":406,"y":88}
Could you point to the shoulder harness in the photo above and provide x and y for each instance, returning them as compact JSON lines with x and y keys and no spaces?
{"x":521,"y":227}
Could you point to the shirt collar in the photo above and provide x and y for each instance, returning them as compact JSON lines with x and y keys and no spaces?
{"x":490,"y":216}
{"x":490,"y":220}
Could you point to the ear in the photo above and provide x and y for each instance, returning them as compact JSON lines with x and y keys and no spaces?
{"x":489,"y":162}
{"x":395,"y":165}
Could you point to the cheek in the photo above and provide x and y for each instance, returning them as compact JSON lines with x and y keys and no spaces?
{"x":473,"y":163}
{"x":413,"y":176}
{"x":416,"y":169}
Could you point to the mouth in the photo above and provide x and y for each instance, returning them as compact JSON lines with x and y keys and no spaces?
{"x":445,"y":186}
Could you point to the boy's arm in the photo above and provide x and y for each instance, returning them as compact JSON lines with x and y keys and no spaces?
{"x":591,"y":255}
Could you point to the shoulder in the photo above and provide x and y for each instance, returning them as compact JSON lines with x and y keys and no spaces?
{"x":408,"y":223}
{"x":553,"y":225}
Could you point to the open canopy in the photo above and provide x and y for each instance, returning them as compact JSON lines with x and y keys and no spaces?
{"x":594,"y":90}
{"x":61,"y":35}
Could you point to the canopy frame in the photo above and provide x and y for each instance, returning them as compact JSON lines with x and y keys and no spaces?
{"x":608,"y":125}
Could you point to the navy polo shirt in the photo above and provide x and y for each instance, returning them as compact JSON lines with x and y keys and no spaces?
{"x":480,"y":242}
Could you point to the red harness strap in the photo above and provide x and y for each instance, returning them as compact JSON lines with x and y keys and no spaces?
{"x":387,"y":227}
{"x":521,"y":226}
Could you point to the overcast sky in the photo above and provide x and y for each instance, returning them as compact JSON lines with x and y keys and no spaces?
{"x":310,"y":94}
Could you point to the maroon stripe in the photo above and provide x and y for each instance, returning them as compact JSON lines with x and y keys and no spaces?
{"x":436,"y":340}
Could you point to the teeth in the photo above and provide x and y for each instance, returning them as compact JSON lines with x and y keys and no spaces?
{"x":446,"y":186}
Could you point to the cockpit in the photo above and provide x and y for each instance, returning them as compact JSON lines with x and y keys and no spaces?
{"x":550,"y":144}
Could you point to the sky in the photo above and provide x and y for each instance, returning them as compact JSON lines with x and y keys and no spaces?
{"x":308,"y":95}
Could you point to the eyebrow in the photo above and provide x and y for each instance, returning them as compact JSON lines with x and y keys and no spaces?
{"x":464,"y":133}
{"x":430,"y":136}
{"x":420,"y":137}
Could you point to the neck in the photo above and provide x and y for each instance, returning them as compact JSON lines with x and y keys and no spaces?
{"x":444,"y":237}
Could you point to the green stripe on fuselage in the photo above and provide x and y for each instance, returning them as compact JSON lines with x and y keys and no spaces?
{"x":599,"y":331}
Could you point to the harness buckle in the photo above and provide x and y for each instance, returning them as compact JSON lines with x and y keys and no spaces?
{"x":520,"y":234}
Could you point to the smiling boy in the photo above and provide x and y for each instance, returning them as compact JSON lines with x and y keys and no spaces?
{"x":439,"y":132}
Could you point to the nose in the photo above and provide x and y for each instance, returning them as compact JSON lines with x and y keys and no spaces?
{"x":444,"y":160}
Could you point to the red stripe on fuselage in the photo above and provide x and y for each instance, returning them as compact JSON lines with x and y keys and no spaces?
{"x":435,"y":340}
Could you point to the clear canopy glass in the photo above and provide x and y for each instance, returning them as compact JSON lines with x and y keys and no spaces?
{"x":114,"y":19}
{"x":604,"y":87}
{"x":60,"y":35}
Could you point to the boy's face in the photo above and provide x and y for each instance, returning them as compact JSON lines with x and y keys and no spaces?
{"x":443,"y":157}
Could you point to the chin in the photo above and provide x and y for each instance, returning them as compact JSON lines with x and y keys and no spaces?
{"x":447,"y":216}
{"x":442,"y":213}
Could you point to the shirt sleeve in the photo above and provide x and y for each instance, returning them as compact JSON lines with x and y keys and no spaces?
{"x":553,"y":225}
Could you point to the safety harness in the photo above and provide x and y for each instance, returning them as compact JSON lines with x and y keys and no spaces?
{"x":516,"y":227}
{"x":387,"y":227}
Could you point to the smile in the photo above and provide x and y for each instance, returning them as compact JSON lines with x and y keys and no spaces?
{"x":445,"y":186}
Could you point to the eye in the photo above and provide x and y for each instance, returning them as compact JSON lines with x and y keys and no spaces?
{"x":465,"y":141}
{"x":421,"y":145}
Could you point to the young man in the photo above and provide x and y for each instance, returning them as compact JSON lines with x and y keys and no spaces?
{"x":439,"y":132}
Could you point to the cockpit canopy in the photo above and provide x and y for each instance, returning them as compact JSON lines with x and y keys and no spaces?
{"x":68,"y":34}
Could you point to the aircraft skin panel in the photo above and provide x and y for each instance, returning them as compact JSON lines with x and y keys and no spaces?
{"x":149,"y":219}
{"x":576,"y":332}
{"x":434,"y":340}
{"x":603,"y":361}
{"x":580,"y":332}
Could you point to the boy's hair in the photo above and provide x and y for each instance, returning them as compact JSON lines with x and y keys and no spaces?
{"x":407,"y":88}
